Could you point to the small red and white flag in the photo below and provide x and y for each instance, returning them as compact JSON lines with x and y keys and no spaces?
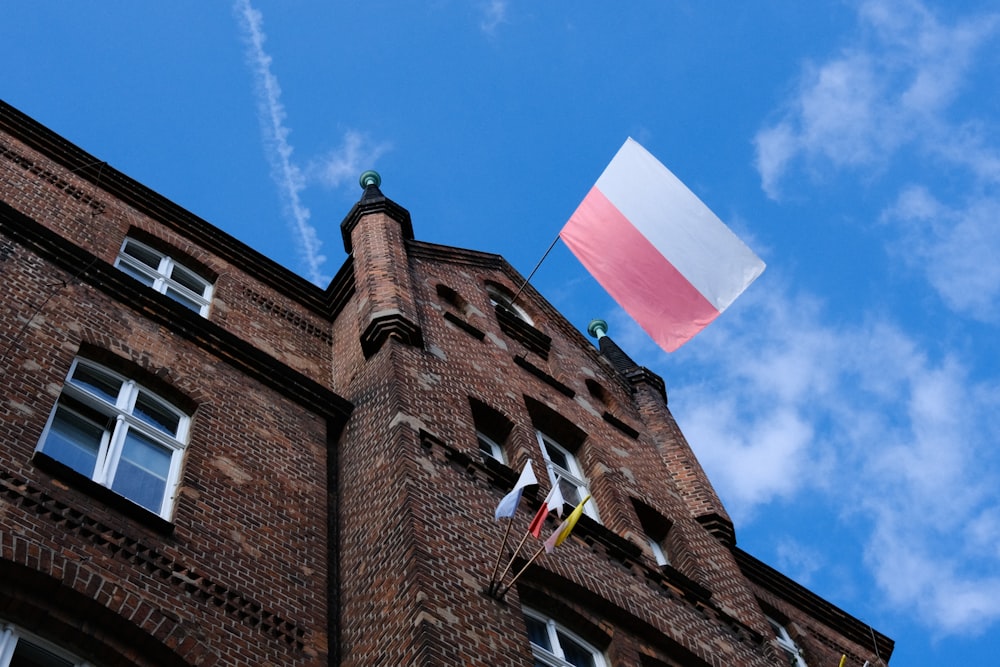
{"x":657,"y":249}
{"x":553,"y":501}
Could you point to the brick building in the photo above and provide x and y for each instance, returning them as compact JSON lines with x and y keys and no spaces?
{"x":207,"y":460}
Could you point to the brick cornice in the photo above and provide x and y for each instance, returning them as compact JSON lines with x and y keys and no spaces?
{"x":119,"y":186}
{"x":799,"y":596}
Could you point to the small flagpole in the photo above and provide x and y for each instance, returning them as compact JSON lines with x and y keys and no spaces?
{"x":516,"y":552}
{"x":530,"y":275}
{"x":502,"y":592}
{"x":496,"y":566}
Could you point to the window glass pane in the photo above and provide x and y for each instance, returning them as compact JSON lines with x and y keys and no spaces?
{"x":97,"y":382}
{"x":556,"y":456}
{"x":183,"y":300}
{"x":30,"y":655}
{"x":537,"y":632}
{"x":142,"y":471}
{"x":188,"y":279}
{"x":575,"y":653}
{"x":148,"y":257}
{"x":74,"y":441}
{"x":136,"y":273}
{"x":155,"y":413}
{"x":570,"y":492}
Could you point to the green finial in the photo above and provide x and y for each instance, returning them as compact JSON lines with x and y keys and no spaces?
{"x":370,"y":177}
{"x":598,"y":329}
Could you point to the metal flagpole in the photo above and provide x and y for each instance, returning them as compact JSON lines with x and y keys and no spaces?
{"x":530,"y":275}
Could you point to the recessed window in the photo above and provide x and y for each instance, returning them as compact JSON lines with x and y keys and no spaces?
{"x":552,"y":645}
{"x":165,"y":275}
{"x":21,"y":649}
{"x":656,"y":528}
{"x":564,"y":469}
{"x":500,"y":298}
{"x":787,"y":644}
{"x":489,"y":447}
{"x":119,"y":434}
{"x":492,"y":429}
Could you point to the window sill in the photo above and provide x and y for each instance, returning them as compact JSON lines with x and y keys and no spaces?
{"x":102,"y":494}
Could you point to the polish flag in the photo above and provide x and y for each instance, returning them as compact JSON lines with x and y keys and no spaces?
{"x":657,"y":249}
{"x":553,"y":501}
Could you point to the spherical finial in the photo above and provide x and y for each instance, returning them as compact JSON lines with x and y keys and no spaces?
{"x":598,"y":329}
{"x":370,"y":177}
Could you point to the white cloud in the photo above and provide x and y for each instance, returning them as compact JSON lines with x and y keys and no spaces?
{"x":954,"y":246}
{"x":860,"y":418}
{"x":889,"y":89}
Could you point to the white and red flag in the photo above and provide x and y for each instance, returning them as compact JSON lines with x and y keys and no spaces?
{"x":657,"y":249}
{"x":553,"y":501}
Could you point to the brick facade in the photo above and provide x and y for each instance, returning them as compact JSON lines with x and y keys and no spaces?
{"x":334,"y":507}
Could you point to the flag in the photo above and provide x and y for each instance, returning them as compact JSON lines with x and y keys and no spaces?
{"x":553,"y":501}
{"x":508,"y":504}
{"x":657,"y":249}
{"x":565,"y":528}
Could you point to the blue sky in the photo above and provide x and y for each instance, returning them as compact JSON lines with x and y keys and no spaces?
{"x":845,"y":406}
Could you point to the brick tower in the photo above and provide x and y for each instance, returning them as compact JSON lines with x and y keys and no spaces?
{"x":206,"y":460}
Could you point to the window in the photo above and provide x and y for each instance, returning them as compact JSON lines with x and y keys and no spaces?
{"x":492,"y":429}
{"x":787,"y":644}
{"x":502,"y":299}
{"x":658,"y":553}
{"x":488,"y":447}
{"x":564,"y":470}
{"x":162,"y":273}
{"x":656,"y":528}
{"x":20,"y":649}
{"x":555,"y":646}
{"x":108,"y":428}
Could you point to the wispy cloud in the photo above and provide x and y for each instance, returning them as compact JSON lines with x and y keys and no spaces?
{"x":343,"y":165}
{"x":356,"y":154}
{"x":271,"y":113}
{"x":494,"y":15}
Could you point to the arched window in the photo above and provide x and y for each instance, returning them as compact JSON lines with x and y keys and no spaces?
{"x":554,"y":646}
{"x":107,"y":427}
{"x":499,"y":297}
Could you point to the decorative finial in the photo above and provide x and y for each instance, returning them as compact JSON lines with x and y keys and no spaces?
{"x":370,"y":177}
{"x":598,"y":329}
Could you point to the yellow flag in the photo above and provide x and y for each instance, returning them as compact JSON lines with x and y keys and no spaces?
{"x":565,"y":528}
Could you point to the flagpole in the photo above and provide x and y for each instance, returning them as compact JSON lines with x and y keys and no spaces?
{"x":530,"y":275}
{"x":516,"y":552}
{"x":496,"y":566}
{"x":538,"y":553}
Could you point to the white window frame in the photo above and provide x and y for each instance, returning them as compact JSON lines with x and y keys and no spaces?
{"x":160,"y":276}
{"x":120,"y":421}
{"x":556,"y":657}
{"x":571,"y":475}
{"x":500,"y":298}
{"x":659,"y":554}
{"x":11,"y":636}
{"x":787,"y":644}
{"x":486,"y":442}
